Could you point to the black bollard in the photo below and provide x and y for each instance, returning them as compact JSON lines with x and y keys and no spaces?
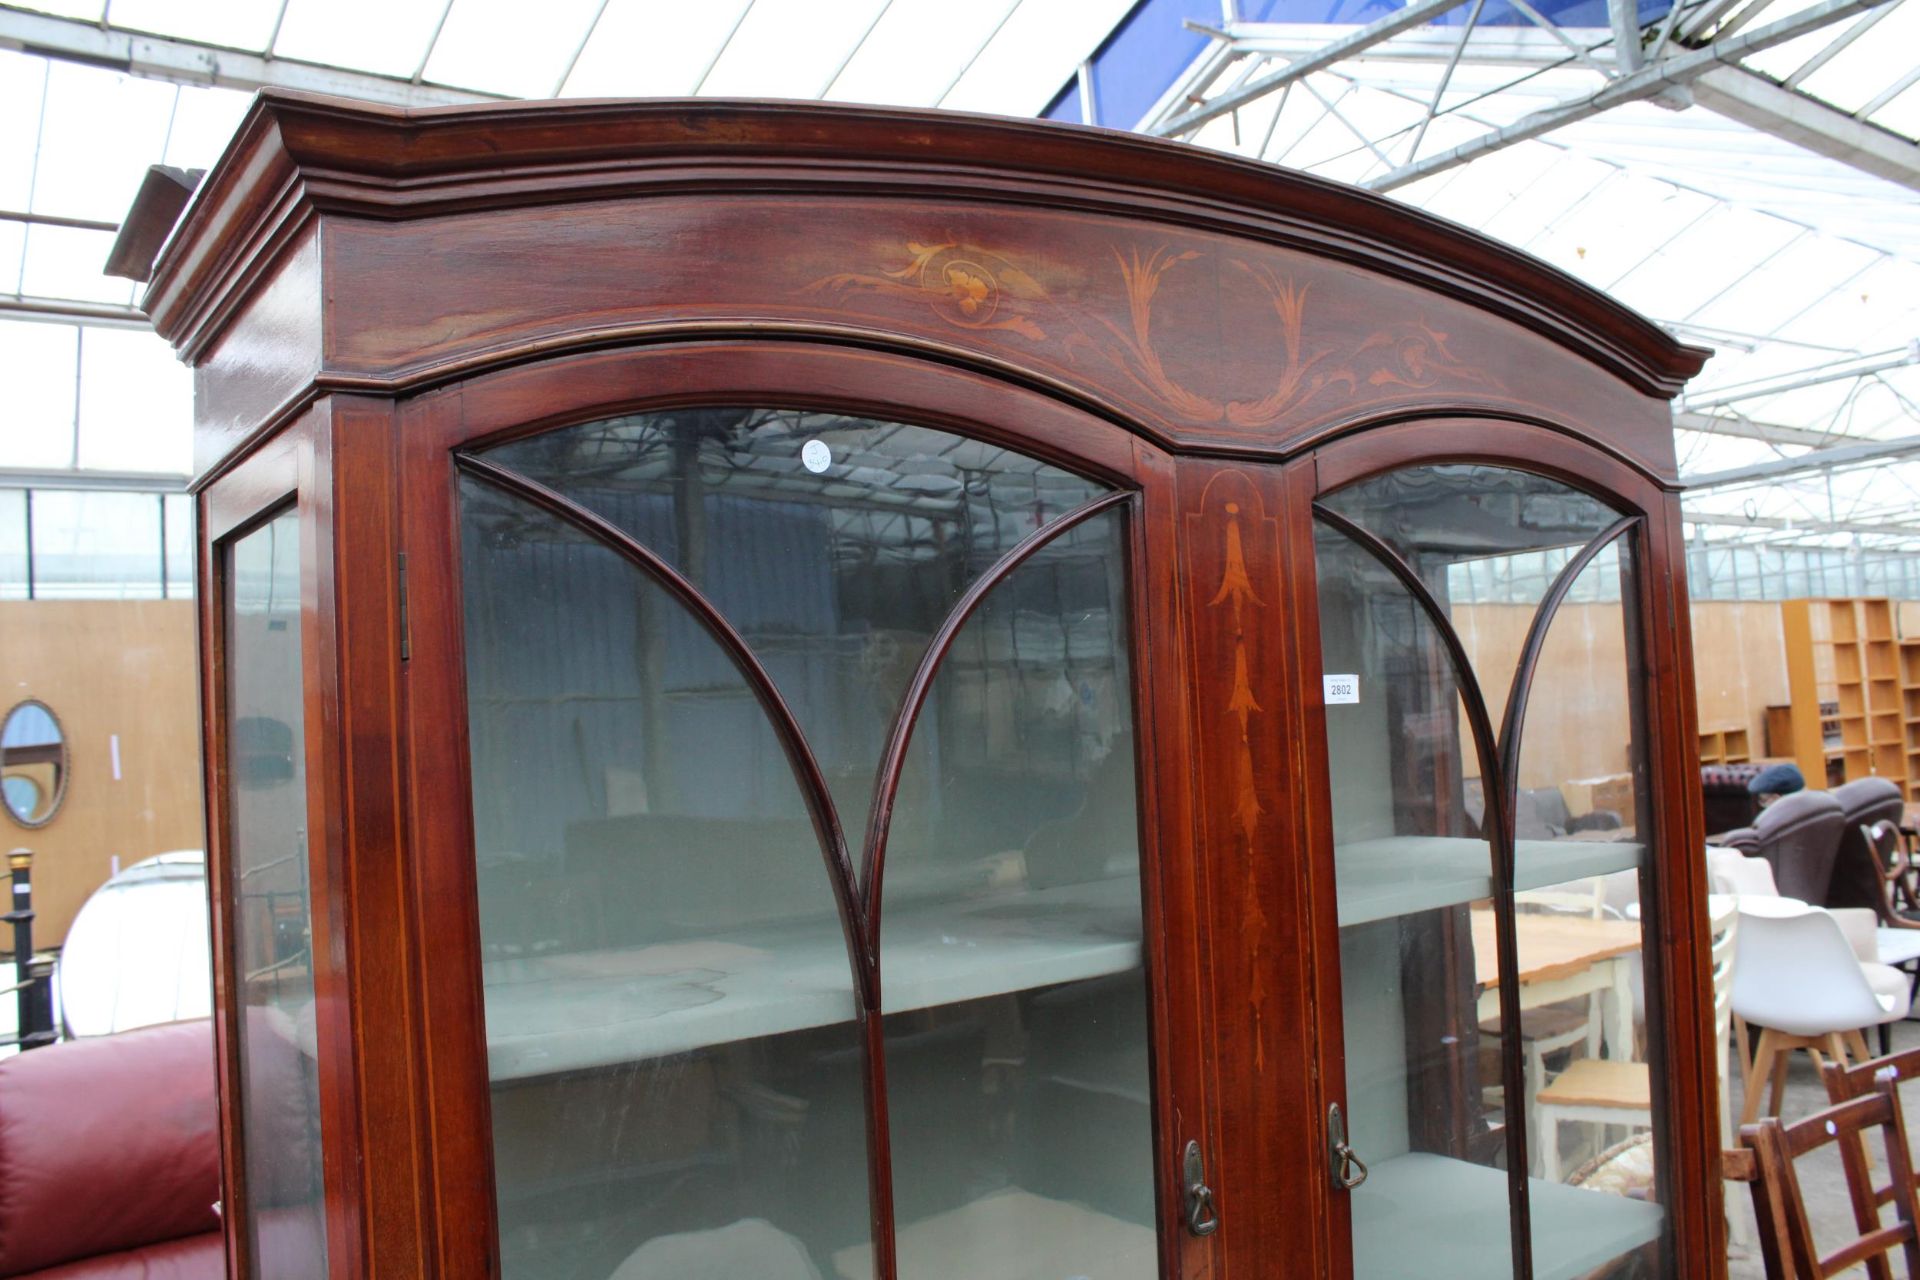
{"x":33,"y":993}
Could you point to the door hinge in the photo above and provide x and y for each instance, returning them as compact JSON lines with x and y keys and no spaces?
{"x":406,"y":630}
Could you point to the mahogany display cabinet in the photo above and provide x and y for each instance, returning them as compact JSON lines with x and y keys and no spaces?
{"x":796,"y":691}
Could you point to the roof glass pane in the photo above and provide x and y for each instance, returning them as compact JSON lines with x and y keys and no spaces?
{"x":94,"y":545}
{"x":1703,"y":260}
{"x":386,"y":36}
{"x":918,"y":48}
{"x":1035,"y":51}
{"x":1559,"y":189}
{"x":646,"y":49}
{"x":13,"y":236}
{"x":37,"y":368}
{"x":89,"y":10}
{"x":22,"y":82}
{"x":179,"y":545}
{"x":101,"y":131}
{"x":136,"y":403}
{"x":1876,"y":310}
{"x":13,"y":544}
{"x":1860,"y":72}
{"x":1764,"y":300}
{"x":236,"y":24}
{"x":203,"y":124}
{"x":790,"y":48}
{"x":500,"y":46}
{"x":61,"y":262}
{"x":1902,"y":115}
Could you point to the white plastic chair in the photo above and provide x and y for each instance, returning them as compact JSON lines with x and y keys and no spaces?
{"x":1752,"y":878}
{"x":1798,"y":978}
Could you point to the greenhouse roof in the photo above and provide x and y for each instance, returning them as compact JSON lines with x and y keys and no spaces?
{"x":1745,"y":174}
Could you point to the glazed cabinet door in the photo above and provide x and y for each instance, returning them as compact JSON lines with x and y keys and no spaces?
{"x":1491,"y":1105}
{"x":277,"y":975}
{"x":801,"y":754}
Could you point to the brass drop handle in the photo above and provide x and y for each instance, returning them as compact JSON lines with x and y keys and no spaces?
{"x":1347,"y":1168}
{"x":1202,"y":1220}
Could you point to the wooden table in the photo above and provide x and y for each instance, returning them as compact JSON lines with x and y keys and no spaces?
{"x":1563,"y":956}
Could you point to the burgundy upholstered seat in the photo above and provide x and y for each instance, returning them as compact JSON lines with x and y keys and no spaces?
{"x":110,"y":1158}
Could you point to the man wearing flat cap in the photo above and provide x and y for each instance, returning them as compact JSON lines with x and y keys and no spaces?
{"x":1774,"y":781}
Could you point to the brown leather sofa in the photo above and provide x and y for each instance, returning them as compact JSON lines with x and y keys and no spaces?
{"x":1799,"y":836}
{"x":110,"y":1159}
{"x":1857,"y":876}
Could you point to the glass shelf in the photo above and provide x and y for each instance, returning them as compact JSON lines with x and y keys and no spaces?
{"x":1401,"y":875}
{"x":579,"y":1010}
{"x":1452,"y":1208}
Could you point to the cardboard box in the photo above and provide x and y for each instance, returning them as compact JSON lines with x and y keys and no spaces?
{"x":1612,"y":793}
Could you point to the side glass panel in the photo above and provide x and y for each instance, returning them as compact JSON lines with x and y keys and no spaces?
{"x":1010,"y":946}
{"x":1414,"y":879}
{"x":671,"y":1024}
{"x":835,"y":545}
{"x":272,"y":919}
{"x":1490,"y":544}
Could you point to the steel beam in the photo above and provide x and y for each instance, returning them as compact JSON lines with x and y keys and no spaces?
{"x":1817,"y":460}
{"x":1800,"y":526}
{"x":55,"y":220}
{"x":1800,"y":379}
{"x":1747,"y":429}
{"x":1758,"y":103}
{"x":119,"y":481}
{"x":1673,"y":71}
{"x":1492,"y":46}
{"x":193,"y":62}
{"x":1415,"y":14}
{"x":96,"y":315}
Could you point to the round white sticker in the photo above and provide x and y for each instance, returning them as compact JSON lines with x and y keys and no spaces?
{"x":815,"y":456}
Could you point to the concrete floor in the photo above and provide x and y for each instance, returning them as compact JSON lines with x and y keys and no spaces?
{"x":1821,"y":1178}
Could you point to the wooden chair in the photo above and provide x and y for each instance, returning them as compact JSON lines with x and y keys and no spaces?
{"x":1765,"y":1162}
{"x":1845,"y":1083}
{"x":1899,"y":904}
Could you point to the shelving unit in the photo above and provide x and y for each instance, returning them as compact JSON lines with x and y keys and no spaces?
{"x":1846,"y":677}
{"x":1726,"y":744}
{"x":1909,"y":658}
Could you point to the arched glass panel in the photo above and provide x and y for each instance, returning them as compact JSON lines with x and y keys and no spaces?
{"x":670,"y":1010}
{"x":1011,"y":956}
{"x":834,"y":544}
{"x":1478,"y":535}
{"x":1533,"y":580}
{"x":1415,"y":877}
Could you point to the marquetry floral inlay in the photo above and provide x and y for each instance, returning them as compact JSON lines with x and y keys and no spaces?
{"x":970,"y":287}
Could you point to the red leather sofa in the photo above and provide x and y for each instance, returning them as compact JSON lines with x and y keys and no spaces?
{"x":110,"y":1159}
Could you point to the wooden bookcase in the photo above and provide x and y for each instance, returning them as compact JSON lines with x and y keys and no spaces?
{"x":1909,"y":658}
{"x":1725,"y":744}
{"x":1846,"y":677}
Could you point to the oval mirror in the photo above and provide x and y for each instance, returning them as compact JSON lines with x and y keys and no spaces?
{"x":33,"y":763}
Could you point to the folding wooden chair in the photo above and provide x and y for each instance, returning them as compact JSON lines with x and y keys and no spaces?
{"x":1765,"y":1161}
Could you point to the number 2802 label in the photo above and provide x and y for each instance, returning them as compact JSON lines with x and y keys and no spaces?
{"x":1341,"y":689}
